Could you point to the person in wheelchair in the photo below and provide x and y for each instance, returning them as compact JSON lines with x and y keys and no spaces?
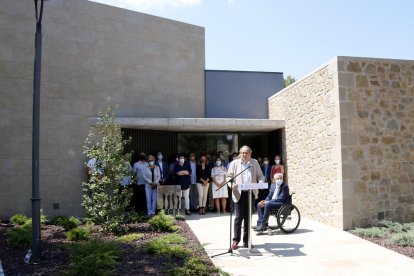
{"x":278,"y":195}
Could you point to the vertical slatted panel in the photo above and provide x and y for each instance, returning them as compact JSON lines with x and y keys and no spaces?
{"x":151,"y":141}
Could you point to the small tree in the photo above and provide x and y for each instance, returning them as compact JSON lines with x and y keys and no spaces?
{"x":289,"y":80}
{"x":104,"y":199}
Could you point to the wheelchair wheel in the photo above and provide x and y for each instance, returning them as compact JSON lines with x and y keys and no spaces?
{"x":288,"y":218}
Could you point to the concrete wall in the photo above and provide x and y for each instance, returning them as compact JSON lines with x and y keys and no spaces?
{"x":377,"y":133}
{"x":151,"y":67}
{"x":240,"y":94}
{"x":311,"y":143}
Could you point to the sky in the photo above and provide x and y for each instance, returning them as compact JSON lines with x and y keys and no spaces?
{"x":291,"y":36}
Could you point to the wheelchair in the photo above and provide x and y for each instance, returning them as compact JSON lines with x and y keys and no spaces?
{"x":286,"y":218}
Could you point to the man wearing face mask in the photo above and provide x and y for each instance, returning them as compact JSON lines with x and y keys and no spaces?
{"x":279,"y":194}
{"x":278,"y":167}
{"x":164,"y":169}
{"x":266,"y":170}
{"x":183,"y":176}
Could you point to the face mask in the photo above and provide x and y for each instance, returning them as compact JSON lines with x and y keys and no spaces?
{"x":151,"y":163}
{"x":266,"y":162}
{"x":279,"y":182}
{"x":221,"y":156}
{"x":182,"y":161}
{"x":160,"y":157}
{"x":218,"y":163}
{"x":277,"y":161}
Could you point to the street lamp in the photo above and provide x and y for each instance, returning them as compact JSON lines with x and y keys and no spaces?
{"x":35,"y":133}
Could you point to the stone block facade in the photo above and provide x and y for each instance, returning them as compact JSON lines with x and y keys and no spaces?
{"x":149,"y":66}
{"x":377,"y":130}
{"x":349,"y":141}
{"x":311,"y":143}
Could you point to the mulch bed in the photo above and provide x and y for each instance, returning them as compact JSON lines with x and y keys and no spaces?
{"x":133,"y":262}
{"x":407,"y":251}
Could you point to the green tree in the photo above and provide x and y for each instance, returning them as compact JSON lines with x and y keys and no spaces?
{"x":289,"y":80}
{"x":104,"y":198}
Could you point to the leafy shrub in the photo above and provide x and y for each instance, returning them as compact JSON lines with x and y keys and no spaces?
{"x":393,"y":226}
{"x":103,"y":199}
{"x":94,"y":257}
{"x":19,"y":236}
{"x":168,"y":246}
{"x":134,"y":217}
{"x":19,"y":219}
{"x":67,"y":223}
{"x":408,"y":226}
{"x":403,"y":239}
{"x":163,"y":223}
{"x":129,"y":237}
{"x":77,"y":234}
{"x":371,"y":232}
{"x":193,"y":266}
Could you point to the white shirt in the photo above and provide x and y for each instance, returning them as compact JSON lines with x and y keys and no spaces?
{"x":246,"y":174}
{"x":160,"y":165}
{"x":275,"y":193}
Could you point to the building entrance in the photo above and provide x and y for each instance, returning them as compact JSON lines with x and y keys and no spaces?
{"x":263,"y":144}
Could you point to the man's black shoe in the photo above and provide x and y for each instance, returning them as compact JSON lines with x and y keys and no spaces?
{"x":260,"y":228}
{"x":246,"y":245}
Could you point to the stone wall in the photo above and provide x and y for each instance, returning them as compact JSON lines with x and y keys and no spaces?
{"x":149,"y":66}
{"x":311,"y":140}
{"x":377,"y":133}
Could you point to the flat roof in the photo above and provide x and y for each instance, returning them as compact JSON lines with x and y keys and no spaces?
{"x":201,"y":124}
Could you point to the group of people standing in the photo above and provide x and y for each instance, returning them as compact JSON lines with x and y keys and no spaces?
{"x":203,"y":180}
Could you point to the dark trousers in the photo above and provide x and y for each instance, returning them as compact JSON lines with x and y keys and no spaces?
{"x":241,"y":209}
{"x":139,"y":199}
{"x":263,"y":212}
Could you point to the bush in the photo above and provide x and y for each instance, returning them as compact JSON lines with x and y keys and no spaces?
{"x":67,"y":223}
{"x":77,"y":234}
{"x":408,"y":226}
{"x":134,"y":217}
{"x":94,"y":257}
{"x":163,"y":223}
{"x":371,"y":232}
{"x":393,"y":226}
{"x":403,"y":239}
{"x":104,"y":200}
{"x":19,"y":236}
{"x":168,"y":246}
{"x":19,"y":219}
{"x":129,"y":238}
{"x":192,"y":266}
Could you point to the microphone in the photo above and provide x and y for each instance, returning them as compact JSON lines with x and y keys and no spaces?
{"x":250,"y":164}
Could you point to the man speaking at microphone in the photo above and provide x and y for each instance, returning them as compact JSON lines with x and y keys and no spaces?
{"x":252,"y":174}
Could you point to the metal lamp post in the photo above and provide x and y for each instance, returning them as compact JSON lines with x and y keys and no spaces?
{"x":36,"y":250}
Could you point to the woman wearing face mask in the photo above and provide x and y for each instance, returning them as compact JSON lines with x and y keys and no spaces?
{"x":152,"y":178}
{"x":218,"y":174}
{"x":278,"y":167}
{"x":183,"y":176}
{"x":203,"y":183}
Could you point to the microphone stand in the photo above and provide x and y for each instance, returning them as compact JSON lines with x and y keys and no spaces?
{"x":231,"y":180}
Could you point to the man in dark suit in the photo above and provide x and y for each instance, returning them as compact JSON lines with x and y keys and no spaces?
{"x":266,"y":169}
{"x":164,"y":168}
{"x":279,"y":195}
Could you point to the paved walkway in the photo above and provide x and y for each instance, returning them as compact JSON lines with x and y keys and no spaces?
{"x":314,"y":249}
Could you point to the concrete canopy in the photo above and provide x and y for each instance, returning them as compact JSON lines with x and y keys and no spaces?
{"x":201,"y":124}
